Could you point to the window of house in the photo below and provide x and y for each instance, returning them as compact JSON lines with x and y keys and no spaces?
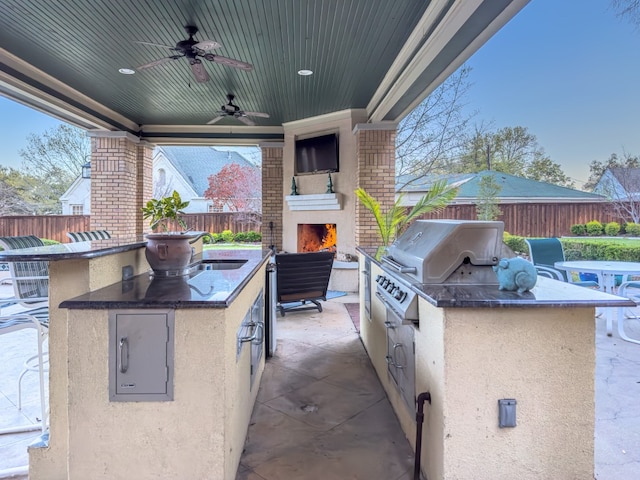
{"x":77,"y":210}
{"x":213,"y":208}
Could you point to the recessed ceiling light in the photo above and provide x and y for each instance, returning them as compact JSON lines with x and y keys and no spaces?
{"x":127,"y":71}
{"x":304,"y":72}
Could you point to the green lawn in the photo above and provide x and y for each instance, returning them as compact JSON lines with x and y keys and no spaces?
{"x":232,"y":246}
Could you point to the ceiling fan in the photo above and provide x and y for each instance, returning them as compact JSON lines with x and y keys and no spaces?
{"x":194,"y":51}
{"x":231,"y":110}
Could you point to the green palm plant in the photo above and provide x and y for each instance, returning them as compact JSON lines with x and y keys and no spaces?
{"x":396,"y":219}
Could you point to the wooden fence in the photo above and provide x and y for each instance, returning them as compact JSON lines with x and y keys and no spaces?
{"x":537,"y":219}
{"x":55,"y":227}
{"x":524,"y":219}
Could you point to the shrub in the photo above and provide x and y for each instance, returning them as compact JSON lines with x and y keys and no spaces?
{"x":208,"y":238}
{"x":633,"y":229}
{"x":254,"y":237}
{"x":594,"y":228}
{"x":579,"y":229}
{"x":516,"y":243}
{"x":227,"y":236}
{"x":612,"y":229}
{"x":240,"y":237}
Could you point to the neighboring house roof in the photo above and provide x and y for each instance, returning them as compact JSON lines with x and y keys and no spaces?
{"x":514,"y":189}
{"x":619,"y":183}
{"x":197,"y":164}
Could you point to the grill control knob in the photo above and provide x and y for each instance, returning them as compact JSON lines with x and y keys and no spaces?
{"x":400,"y":295}
{"x":379,"y":278}
{"x":385,"y":283}
{"x":390,"y":287}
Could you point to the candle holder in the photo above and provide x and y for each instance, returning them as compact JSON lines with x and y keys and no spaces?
{"x":329,"y":185}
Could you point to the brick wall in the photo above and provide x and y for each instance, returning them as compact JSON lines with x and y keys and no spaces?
{"x":375,"y":150}
{"x":272,"y":196}
{"x":114,"y":186}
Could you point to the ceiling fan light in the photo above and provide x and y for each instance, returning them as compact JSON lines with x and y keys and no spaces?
{"x":305,"y":72}
{"x":126,"y":71}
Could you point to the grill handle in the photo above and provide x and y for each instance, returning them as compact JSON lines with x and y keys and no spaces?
{"x":397,"y":267}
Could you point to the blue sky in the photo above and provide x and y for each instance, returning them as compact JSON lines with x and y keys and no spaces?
{"x":567,"y":70}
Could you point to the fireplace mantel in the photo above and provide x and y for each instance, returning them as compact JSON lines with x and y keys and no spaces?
{"x":320,"y":201}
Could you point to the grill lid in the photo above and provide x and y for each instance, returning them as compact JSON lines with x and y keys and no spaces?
{"x":433,"y":249}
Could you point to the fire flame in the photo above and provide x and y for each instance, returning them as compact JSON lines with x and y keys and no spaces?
{"x":317,"y":237}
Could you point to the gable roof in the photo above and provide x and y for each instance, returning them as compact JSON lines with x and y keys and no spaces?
{"x":626,"y":176}
{"x":513,"y":188}
{"x":196,"y":164}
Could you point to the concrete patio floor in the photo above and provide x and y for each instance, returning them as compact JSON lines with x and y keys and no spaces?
{"x":337,"y":437}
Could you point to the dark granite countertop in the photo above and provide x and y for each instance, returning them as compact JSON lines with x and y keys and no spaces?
{"x":212,"y":288}
{"x":546,"y":293}
{"x":67,"y":251}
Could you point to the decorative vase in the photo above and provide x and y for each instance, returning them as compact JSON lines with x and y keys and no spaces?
{"x":170,"y":253}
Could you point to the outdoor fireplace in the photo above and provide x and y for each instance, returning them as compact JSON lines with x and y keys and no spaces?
{"x":317,"y":237}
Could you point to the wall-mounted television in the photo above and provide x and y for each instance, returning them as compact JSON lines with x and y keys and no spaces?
{"x":317,"y":154}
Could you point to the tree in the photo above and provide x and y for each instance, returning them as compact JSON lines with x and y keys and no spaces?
{"x":619,"y":180}
{"x":597,"y":168}
{"x":15,"y":188}
{"x":432,"y":134}
{"x":629,"y":9}
{"x":54,"y":160}
{"x":511,"y":150}
{"x":392,"y":222}
{"x":239,"y":187}
{"x":487,"y":206}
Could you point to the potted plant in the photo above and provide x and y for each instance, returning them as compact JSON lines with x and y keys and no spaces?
{"x":168,"y":252}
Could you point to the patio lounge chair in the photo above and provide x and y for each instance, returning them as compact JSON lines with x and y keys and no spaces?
{"x":544,"y":252}
{"x":302,"y":278}
{"x":30,"y":282}
{"x":88,"y":236}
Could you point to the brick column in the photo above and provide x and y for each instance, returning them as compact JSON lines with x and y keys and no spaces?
{"x":272,"y":194}
{"x":375,"y":152}
{"x":121,"y":170}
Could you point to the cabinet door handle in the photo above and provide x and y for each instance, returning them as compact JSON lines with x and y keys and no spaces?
{"x":254,"y":335}
{"x":124,"y":354}
{"x":393,"y":354}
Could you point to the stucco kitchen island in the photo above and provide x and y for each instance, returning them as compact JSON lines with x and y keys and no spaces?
{"x":474,"y":346}
{"x":195,"y":432}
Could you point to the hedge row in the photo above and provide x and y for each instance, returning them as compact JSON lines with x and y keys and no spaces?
{"x":582,"y":249}
{"x":594,"y":229}
{"x":227,"y":236}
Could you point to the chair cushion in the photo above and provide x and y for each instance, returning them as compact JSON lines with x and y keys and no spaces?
{"x":88,"y":236}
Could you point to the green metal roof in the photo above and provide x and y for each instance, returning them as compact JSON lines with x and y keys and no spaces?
{"x":511,"y":187}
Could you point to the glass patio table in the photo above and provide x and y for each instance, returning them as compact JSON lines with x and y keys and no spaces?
{"x":607,"y":271}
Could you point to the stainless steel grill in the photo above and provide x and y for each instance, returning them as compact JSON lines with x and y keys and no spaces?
{"x":438,"y":251}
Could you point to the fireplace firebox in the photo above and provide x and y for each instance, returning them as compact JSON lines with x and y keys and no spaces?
{"x":317,"y":237}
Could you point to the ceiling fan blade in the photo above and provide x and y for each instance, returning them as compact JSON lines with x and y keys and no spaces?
{"x":207,"y":45}
{"x":156,"y":62}
{"x":155,"y":45}
{"x":257,"y":114}
{"x":245,"y":120}
{"x":199,"y":71}
{"x":215,"y":120}
{"x":230,"y":62}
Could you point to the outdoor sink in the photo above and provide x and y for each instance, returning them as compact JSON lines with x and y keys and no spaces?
{"x":226,"y":264}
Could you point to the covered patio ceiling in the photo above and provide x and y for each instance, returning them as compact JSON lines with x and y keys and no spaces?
{"x":382,"y":56}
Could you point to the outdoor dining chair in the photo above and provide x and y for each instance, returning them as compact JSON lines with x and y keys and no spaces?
{"x":630,"y":290}
{"x":30,"y":282}
{"x":88,"y":236}
{"x":544,"y":253}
